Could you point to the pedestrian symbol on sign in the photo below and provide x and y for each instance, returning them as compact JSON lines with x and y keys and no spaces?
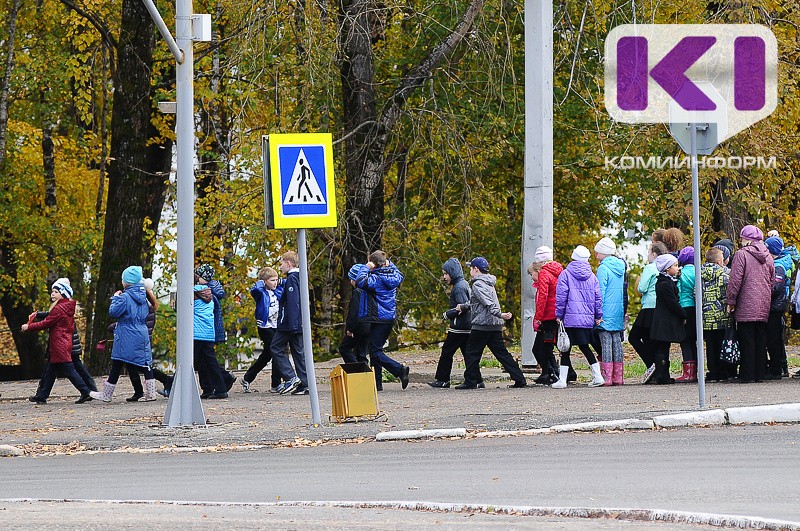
{"x":303,"y":187}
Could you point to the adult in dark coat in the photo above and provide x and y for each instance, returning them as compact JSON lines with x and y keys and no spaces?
{"x":668,"y":316}
{"x":749,"y":296}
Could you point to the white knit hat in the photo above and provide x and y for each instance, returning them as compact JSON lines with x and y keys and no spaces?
{"x":543,"y":254}
{"x":64,"y":287}
{"x":581,"y":254}
{"x":606,"y":246}
{"x":148,"y":283}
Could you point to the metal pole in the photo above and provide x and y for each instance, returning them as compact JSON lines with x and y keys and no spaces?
{"x":162,"y":29}
{"x":537,"y":226}
{"x":305,"y":307}
{"x":184,"y":407}
{"x":698,"y":282}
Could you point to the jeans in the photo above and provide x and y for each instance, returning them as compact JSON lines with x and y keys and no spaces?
{"x":266,"y":335}
{"x":66,"y":370}
{"x":378,"y":334}
{"x":280,"y":359}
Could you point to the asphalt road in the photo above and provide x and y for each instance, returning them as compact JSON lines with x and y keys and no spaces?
{"x":750,"y":471}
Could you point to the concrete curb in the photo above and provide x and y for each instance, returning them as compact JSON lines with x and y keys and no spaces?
{"x":420,"y":434}
{"x":714,"y":417}
{"x":627,"y":514}
{"x":764,"y":414}
{"x":605,"y":425}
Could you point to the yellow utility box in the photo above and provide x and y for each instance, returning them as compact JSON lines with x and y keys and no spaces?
{"x":353,"y":392}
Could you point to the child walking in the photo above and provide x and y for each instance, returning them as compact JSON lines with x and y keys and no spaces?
{"x":544,"y":273}
{"x":354,"y":345}
{"x":669,"y":318}
{"x":61,"y":322}
{"x":289,"y":330}
{"x":459,"y":322}
{"x":263,"y":293}
{"x":131,"y":338}
{"x":580,"y":307}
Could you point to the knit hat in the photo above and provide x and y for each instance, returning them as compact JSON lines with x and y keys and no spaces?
{"x":148,"y":284}
{"x":606,"y":246}
{"x":64,"y":287}
{"x":206,"y":272}
{"x":686,"y":255}
{"x":752,"y":233}
{"x":481,"y":263}
{"x":543,"y":254}
{"x":774,"y":244}
{"x":664,"y":262}
{"x":727,"y":244}
{"x":355,"y":270}
{"x":580,"y":254}
{"x":726,"y":253}
{"x":772,"y":233}
{"x":132,"y":275}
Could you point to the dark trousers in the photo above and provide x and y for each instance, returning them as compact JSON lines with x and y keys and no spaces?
{"x":543,"y":352}
{"x":80,"y":368}
{"x":266,"y":335}
{"x":716,"y":368}
{"x":65,"y":370}
{"x":211,"y":375}
{"x":116,"y":370}
{"x":753,"y":346}
{"x":279,"y":357}
{"x":640,"y":340}
{"x":165,"y":379}
{"x":354,"y":349}
{"x":480,"y":339}
{"x":775,"y":346}
{"x":453,"y":342}
{"x":689,"y":345}
{"x":378,"y":334}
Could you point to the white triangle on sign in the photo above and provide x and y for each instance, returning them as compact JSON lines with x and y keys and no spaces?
{"x":303,"y":187}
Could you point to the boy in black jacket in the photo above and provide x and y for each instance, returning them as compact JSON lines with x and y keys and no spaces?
{"x":290,"y":330}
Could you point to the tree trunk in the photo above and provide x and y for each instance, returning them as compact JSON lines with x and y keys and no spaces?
{"x":137,"y":173}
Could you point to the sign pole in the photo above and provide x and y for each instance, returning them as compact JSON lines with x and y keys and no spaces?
{"x":698,"y":282}
{"x":305,"y":306}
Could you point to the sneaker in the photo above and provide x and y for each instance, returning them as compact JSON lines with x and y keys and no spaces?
{"x":37,"y":400}
{"x":301,"y":390}
{"x":217,"y":396}
{"x":275,"y":390}
{"x":134,"y":398}
{"x":290,"y":386}
{"x":466,"y":385}
{"x":245,"y":386}
{"x":438,"y":384}
{"x":231,"y":379}
{"x":648,"y":374}
{"x":517,"y":385}
{"x":163,"y":392}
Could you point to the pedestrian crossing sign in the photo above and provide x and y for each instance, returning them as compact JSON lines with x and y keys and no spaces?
{"x":301,"y":182}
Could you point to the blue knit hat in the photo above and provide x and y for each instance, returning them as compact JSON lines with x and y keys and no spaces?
{"x":774,"y":244}
{"x":132,"y":275}
{"x":355,"y":271}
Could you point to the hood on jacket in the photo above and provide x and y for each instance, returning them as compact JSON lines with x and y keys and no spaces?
{"x":579,"y":270}
{"x":615,"y":264}
{"x":137,"y":292}
{"x":68,"y":305}
{"x":486,"y":277}
{"x":453,"y":268}
{"x":709,"y":272}
{"x":554,"y":268}
{"x":758,"y":250}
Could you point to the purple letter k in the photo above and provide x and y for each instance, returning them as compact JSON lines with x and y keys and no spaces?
{"x":670,"y":73}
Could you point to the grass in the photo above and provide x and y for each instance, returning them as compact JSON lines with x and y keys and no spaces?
{"x":485,"y":362}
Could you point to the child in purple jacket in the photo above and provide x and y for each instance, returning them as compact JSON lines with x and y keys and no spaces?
{"x":579,"y":307}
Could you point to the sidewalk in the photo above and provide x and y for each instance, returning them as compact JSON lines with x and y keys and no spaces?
{"x":261,"y":418}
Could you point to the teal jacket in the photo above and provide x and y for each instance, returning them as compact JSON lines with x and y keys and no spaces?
{"x":686,"y":286}
{"x":647,"y":286}
{"x":611,"y":276}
